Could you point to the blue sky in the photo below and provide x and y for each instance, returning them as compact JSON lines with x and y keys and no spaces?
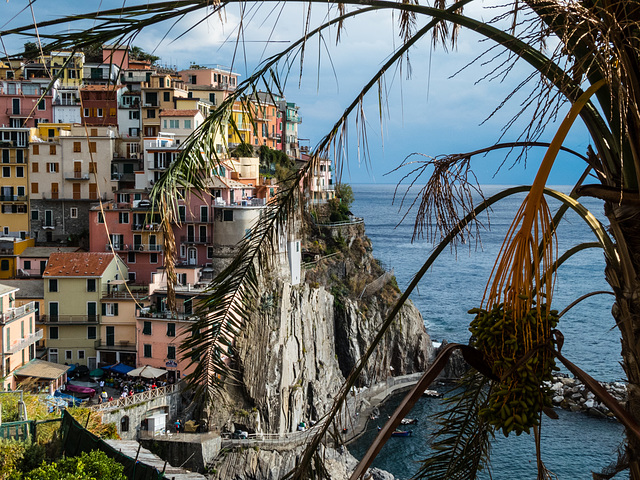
{"x":431,"y":113}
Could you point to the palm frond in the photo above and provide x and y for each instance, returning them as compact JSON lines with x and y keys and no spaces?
{"x":462,"y":442}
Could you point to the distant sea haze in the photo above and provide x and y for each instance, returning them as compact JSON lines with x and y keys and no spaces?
{"x":456,"y":283}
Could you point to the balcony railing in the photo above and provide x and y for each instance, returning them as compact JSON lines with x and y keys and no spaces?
{"x":134,"y":247}
{"x":18,"y":312}
{"x":145,"y":227}
{"x":121,"y":345}
{"x":13,"y":198}
{"x":195,"y":239}
{"x":24,"y":342}
{"x":76,"y":176}
{"x":69,"y":319}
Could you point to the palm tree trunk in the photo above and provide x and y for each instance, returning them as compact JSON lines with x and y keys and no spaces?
{"x":625,"y":227}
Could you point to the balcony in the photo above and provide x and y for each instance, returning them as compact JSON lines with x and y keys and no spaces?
{"x":136,"y":247}
{"x":195,"y":239}
{"x":76,"y":176}
{"x":24,"y":342}
{"x":18,"y":312}
{"x":13,"y":198}
{"x":69,"y":319}
{"x":142,"y":227}
{"x":119,"y":346}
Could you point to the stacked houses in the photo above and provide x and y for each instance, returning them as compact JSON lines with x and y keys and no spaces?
{"x":81,"y":250}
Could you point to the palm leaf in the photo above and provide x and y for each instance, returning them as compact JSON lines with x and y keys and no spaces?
{"x":461,"y":444}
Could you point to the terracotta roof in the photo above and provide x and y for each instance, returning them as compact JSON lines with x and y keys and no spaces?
{"x":78,"y":264}
{"x":42,"y":369}
{"x":179,"y":113}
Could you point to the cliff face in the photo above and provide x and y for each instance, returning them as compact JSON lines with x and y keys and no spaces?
{"x":304,"y":339}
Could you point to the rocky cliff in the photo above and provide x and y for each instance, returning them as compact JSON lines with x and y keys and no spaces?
{"x":304,"y":339}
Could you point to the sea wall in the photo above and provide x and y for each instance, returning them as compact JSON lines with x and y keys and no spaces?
{"x":572,"y":394}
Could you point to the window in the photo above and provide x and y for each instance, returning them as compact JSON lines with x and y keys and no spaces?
{"x":146,"y":328}
{"x":147,"y":351}
{"x":53,"y":285}
{"x":54,"y":191}
{"x":36,"y":149}
{"x":151,"y":113}
{"x":73,"y":212}
{"x":35,"y":214}
{"x":171,"y":329}
{"x":182,"y":212}
{"x":171,"y":352}
{"x":91,"y":284}
{"x":100,"y":217}
{"x":87,"y":112}
{"x":19,"y":156}
{"x":123,"y":217}
{"x":131,"y":257}
{"x":80,"y":354}
{"x":6,"y":172}
{"x":53,"y":333}
{"x":174,"y":123}
{"x":52,"y":167}
{"x":72,"y":73}
{"x":227,"y":215}
{"x":110,"y":309}
{"x":187,"y":124}
{"x":4,"y":265}
{"x":93,"y":167}
{"x":92,"y":147}
{"x":153,"y":258}
{"x":94,"y":132}
{"x":92,"y":332}
{"x":68,"y":354}
{"x":6,"y":157}
{"x":209,"y":252}
{"x":27,"y":264}
{"x":134,"y":115}
{"x":166,"y":96}
{"x":77,"y":146}
{"x":34,"y":167}
{"x":93,"y":191}
{"x":20,"y":172}
{"x":212,"y":98}
{"x":204,"y":213}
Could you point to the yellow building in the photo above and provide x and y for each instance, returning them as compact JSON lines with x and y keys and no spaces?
{"x":69,"y":66}
{"x":10,"y":250}
{"x":74,"y":284}
{"x":14,"y":185}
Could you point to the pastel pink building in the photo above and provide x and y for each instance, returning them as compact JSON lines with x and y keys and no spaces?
{"x":133,"y":233}
{"x":21,"y":106}
{"x":161,"y":331}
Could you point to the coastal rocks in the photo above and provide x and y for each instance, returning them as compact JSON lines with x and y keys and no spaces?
{"x":571,"y":394}
{"x":260,"y":464}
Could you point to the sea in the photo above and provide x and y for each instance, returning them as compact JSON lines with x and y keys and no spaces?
{"x":574,"y":445}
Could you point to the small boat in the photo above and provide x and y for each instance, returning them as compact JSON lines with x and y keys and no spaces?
{"x":431,"y":393}
{"x":408,"y":421}
{"x":400,"y":433}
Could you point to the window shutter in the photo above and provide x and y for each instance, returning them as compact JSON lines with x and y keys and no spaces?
{"x":115,"y":309}
{"x":104,"y":309}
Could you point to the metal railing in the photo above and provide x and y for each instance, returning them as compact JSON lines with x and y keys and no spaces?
{"x":136,"y":398}
{"x":135,"y":247}
{"x":69,"y":318}
{"x":17,"y":312}
{"x":24,"y":342}
{"x":121,"y":345}
{"x":195,"y":239}
{"x":13,"y":198}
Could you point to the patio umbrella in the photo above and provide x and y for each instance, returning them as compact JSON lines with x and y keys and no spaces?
{"x":97,"y":373}
{"x":147,"y":372}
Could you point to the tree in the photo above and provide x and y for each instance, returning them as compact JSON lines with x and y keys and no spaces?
{"x":569,"y":46}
